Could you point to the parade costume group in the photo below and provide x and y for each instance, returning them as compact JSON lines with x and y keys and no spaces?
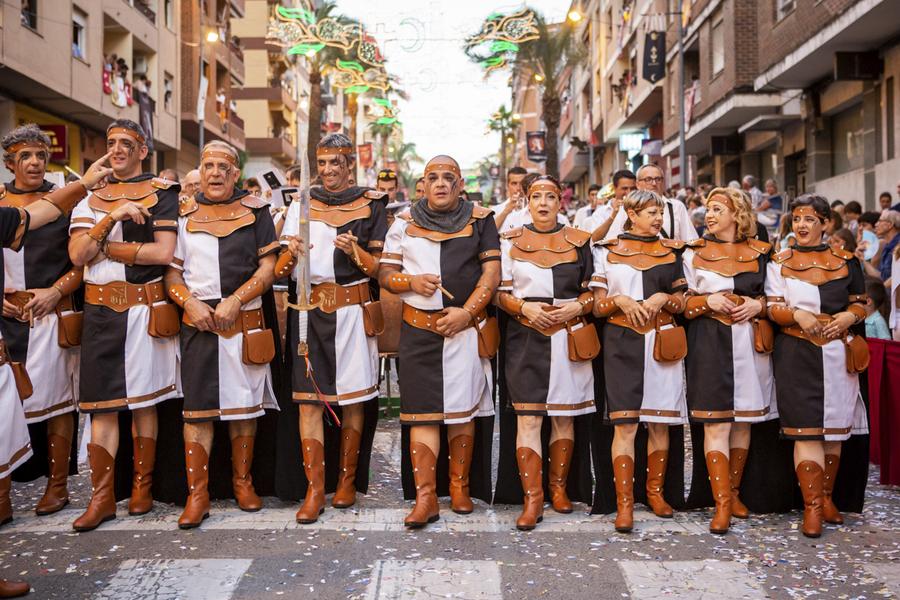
{"x":123,"y":298}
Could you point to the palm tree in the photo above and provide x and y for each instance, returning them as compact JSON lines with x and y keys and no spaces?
{"x":383,"y":131}
{"x":405,"y":154}
{"x":504,"y":122}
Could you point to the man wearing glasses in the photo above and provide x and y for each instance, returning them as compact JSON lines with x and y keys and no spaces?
{"x":676,"y":221}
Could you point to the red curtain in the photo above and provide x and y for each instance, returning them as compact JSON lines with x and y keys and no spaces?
{"x":884,"y":408}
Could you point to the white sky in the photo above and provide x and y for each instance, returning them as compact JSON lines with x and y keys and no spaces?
{"x":449,"y":100}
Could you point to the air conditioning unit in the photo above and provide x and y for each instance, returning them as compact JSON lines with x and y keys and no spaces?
{"x":857,"y":66}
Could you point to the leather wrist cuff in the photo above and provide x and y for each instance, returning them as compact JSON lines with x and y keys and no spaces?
{"x":586,"y":300}
{"x":857,"y":311}
{"x":398,"y":283}
{"x":123,"y":252}
{"x":364,"y":260}
{"x":285,"y":264}
{"x":696,"y":306}
{"x":101,"y":230}
{"x":180,"y":294}
{"x":253,"y":288}
{"x":478,"y":300}
{"x":765,"y":305}
{"x":604,"y":307}
{"x":782,"y":315}
{"x":509,"y":303}
{"x":69,"y":282}
{"x":65,"y":198}
{"x":674,"y":304}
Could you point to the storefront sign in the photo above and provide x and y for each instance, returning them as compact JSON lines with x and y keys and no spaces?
{"x":59,"y":142}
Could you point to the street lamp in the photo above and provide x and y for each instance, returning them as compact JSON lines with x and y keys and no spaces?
{"x":574,"y":16}
{"x":538,"y":77}
{"x":212,"y":36}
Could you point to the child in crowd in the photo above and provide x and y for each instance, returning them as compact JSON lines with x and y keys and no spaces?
{"x":876,"y":326}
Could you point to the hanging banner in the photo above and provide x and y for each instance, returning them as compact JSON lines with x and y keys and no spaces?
{"x":537,"y":145}
{"x":59,"y":142}
{"x":364,"y":155}
{"x":654,"y":56}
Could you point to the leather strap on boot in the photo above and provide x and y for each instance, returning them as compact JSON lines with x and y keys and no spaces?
{"x":656,"y":478}
{"x":56,"y":495}
{"x":532,"y":477}
{"x":560,"y":460}
{"x":829,"y":511}
{"x":196,"y":509}
{"x":811,"y":477}
{"x":426,"y":509}
{"x":141,"y":501}
{"x":623,"y":477}
{"x":461,"y":448}
{"x":241,"y":479}
{"x":314,"y":467}
{"x":345,"y":494}
{"x":5,"y":504}
{"x":720,"y":482}
{"x":13,"y":589}
{"x":102,"y":507}
{"x":737,"y":459}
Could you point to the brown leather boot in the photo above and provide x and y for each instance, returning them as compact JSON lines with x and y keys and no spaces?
{"x":426,"y":509}
{"x":829,"y":511}
{"x":461,"y":448}
{"x":810,"y":476}
{"x":345,"y":494}
{"x":241,"y":480}
{"x":314,"y":466}
{"x":532,"y":477}
{"x":102,"y":506}
{"x":141,"y":501}
{"x":656,"y":478}
{"x":13,"y":589}
{"x":196,"y":509}
{"x":560,"y":460}
{"x":56,"y":496}
{"x":737,"y":459}
{"x":5,"y":504}
{"x":623,"y":476}
{"x":720,"y":482}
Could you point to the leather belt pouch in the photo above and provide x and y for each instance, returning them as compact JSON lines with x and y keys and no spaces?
{"x":857,"y":353}
{"x":164,"y":320}
{"x":373,"y":318}
{"x":69,"y":325}
{"x":670,"y":344}
{"x":763,"y":336}
{"x":584,"y":343}
{"x":488,"y":337}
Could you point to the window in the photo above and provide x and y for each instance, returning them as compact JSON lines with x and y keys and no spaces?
{"x":168,"y":85}
{"x":169,"y":8}
{"x":79,"y":33}
{"x":30,"y":14}
{"x":847,"y":140}
{"x":718,"y":47}
{"x":783,"y":8}
{"x":889,"y":117}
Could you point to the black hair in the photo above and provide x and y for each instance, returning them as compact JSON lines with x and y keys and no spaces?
{"x":128,"y":124}
{"x":387,"y":175}
{"x":853,"y":207}
{"x":537,"y":177}
{"x":876,"y":291}
{"x":870,"y":216}
{"x":517,"y":170}
{"x":526,"y":181}
{"x":837,"y":203}
{"x":594,"y":187}
{"x":819,"y":204}
{"x":622,"y":174}
{"x":886,"y":195}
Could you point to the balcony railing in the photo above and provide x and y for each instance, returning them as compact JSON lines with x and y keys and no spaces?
{"x":145,"y":9}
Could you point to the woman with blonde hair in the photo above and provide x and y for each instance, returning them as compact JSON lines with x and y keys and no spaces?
{"x":729,"y":371}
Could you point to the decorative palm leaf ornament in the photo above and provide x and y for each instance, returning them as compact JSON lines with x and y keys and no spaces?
{"x":500,"y":37}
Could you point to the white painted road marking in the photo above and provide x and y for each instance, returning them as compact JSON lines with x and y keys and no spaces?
{"x":695,"y":579}
{"x":162,"y":579}
{"x":409,"y":579}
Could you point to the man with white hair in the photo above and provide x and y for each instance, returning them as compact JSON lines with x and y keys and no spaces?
{"x":748,"y":184}
{"x":677,"y":223}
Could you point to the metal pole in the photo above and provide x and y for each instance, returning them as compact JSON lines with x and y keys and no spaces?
{"x":682,"y":157}
{"x":202,"y":110}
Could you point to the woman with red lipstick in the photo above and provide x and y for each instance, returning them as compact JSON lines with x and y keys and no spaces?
{"x":816,"y":293}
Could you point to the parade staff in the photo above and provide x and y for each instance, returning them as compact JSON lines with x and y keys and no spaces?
{"x":729,"y":367}
{"x":123,"y":234}
{"x":676,"y":224}
{"x":347,"y":229}
{"x":38,"y":296}
{"x":16,"y":222}
{"x":545,"y":266}
{"x":641,"y":286}
{"x":816,"y":293}
{"x":224,"y":262}
{"x":442,"y":257}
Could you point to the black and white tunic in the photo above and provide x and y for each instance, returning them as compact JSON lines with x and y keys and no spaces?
{"x":638,"y":388}
{"x":126,"y":368}
{"x":43,"y":259}
{"x":445,"y":380}
{"x":727,"y":380}
{"x":540,"y":378}
{"x":817,"y":398}
{"x":15,"y":444}
{"x":217,"y":384}
{"x":343,"y":358}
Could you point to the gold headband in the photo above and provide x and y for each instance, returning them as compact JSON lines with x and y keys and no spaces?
{"x":806,"y":210}
{"x":332,"y":151}
{"x":443,"y":167}
{"x":127,"y":131}
{"x":218,"y":154}
{"x":722,"y":199}
{"x":543,"y":186}
{"x":28,"y":144}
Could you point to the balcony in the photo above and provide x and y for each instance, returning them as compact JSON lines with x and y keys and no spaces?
{"x":278,"y":98}
{"x":574,"y":164}
{"x":279,"y":148}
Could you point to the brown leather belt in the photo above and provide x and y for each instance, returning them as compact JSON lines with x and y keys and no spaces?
{"x":550,"y":331}
{"x":427,"y":319}
{"x":663,"y":317}
{"x":246,"y":321}
{"x":19,"y":299}
{"x":331,"y":296}
{"x":797,"y":332}
{"x":4,"y":354}
{"x":120,"y":295}
{"x":720,"y":317}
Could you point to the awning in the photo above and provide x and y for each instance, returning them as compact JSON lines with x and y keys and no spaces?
{"x":768,"y":123}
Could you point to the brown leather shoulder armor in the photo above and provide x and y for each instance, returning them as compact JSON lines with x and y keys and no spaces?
{"x":698,"y":243}
{"x":162,"y":184}
{"x":728,"y":258}
{"x":608,"y":242}
{"x":759,"y":245}
{"x":220,"y":220}
{"x":480,"y":212}
{"x":10,"y":199}
{"x":544,"y":250}
{"x":376,"y":195}
{"x":639,"y":254}
{"x":673,"y":244}
{"x":338,"y":216}
{"x":114,"y":195}
{"x":187,"y":205}
{"x":577,"y":237}
{"x":254,"y":202}
{"x":512,"y":233}
{"x":842,"y":254}
{"x":815,"y":267}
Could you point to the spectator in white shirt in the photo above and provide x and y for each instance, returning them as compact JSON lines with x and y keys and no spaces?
{"x":677,"y":224}
{"x":588,"y":209}
{"x":514,"y":195}
{"x":624,"y":181}
{"x":748,"y":184}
